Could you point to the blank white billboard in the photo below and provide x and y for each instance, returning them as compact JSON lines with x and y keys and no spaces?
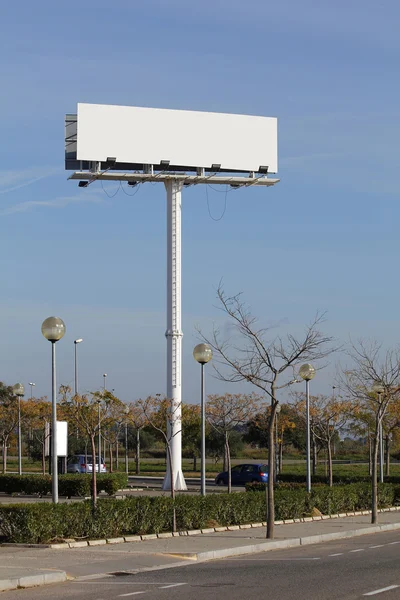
{"x":148,"y":136}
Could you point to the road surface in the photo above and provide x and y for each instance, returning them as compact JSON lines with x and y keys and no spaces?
{"x":362,"y":567}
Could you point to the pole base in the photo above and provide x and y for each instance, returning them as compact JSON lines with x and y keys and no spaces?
{"x":179,"y":482}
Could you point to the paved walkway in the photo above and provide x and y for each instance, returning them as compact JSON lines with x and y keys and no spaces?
{"x":24,"y":567}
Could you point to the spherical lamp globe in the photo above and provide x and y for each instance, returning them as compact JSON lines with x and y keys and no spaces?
{"x":53,"y":329}
{"x":202,"y":353}
{"x":307,"y":372}
{"x":378,"y":388}
{"x":19,"y":389}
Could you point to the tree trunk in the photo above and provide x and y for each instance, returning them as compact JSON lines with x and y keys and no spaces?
{"x":280,"y":455}
{"x":228,"y":460}
{"x":116,"y":455}
{"x":137,"y":451}
{"x":314,"y":455}
{"x":387,"y":455}
{"x":94,"y":480}
{"x":5,"y":456}
{"x":111,"y":458}
{"x":369,"y":454}
{"x":169,"y":458}
{"x":44,"y":457}
{"x":330,"y":470}
{"x":374,"y":478}
{"x":271,"y":467}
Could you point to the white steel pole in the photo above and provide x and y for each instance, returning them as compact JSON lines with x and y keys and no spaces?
{"x":308,"y":441}
{"x":54,"y":457}
{"x":174,"y":333}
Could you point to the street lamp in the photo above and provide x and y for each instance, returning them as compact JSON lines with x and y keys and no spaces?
{"x":126,"y":439}
{"x":307,"y":372}
{"x":76,"y":342}
{"x":53,"y":329}
{"x":99,"y":440}
{"x":19,"y":391}
{"x":32,"y":386}
{"x":104,"y":377}
{"x":277,"y":412}
{"x":203,"y":354}
{"x":379,"y":389}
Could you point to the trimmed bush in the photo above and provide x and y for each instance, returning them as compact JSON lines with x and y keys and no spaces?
{"x":41,"y":523}
{"x":68,"y":485}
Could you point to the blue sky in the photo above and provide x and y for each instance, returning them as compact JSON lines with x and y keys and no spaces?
{"x":325,"y":238}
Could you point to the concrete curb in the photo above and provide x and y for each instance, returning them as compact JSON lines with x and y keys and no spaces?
{"x":283,"y":544}
{"x":32,"y":580}
{"x":152,"y":536}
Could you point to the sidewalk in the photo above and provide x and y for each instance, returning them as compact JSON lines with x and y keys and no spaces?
{"x":25,"y":567}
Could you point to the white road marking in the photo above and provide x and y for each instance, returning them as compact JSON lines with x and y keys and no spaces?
{"x":391,"y":543}
{"x":358,"y":550}
{"x":337,"y":554}
{"x":164,"y":587}
{"x":378,"y":546}
{"x":386,"y":589}
{"x":269,"y":559}
{"x":130,"y":594}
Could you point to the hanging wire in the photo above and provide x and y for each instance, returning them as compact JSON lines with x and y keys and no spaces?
{"x":208,"y":205}
{"x":135,"y":191}
{"x":105,"y":191}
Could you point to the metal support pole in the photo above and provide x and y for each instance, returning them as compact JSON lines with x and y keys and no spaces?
{"x":76,"y":370}
{"x":174,"y":334}
{"x":381,"y":452}
{"x":54,"y":462}
{"x":308,"y":436}
{"x":126,"y":448}
{"x":276,"y":446}
{"x":203,"y":433}
{"x":99,"y":444}
{"x":19,"y":438}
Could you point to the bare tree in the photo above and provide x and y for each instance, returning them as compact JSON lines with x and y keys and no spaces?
{"x":162,"y":414}
{"x":374,"y":381}
{"x":329,"y":415}
{"x":262,"y":359}
{"x":225,"y":413}
{"x":138,"y":420}
{"x":8,"y":418}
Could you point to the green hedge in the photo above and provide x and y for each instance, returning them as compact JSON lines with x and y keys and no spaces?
{"x":40,"y":523}
{"x":339,"y":479}
{"x":68,"y":485}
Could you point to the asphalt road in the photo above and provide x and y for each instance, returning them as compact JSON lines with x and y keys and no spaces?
{"x":361,"y":567}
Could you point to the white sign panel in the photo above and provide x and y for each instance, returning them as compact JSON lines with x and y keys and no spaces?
{"x":62,"y":438}
{"x":134,"y":135}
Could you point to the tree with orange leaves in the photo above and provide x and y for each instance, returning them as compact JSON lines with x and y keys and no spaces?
{"x":227,"y":412}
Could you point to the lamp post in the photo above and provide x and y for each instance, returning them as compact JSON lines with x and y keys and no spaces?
{"x":203,"y":354}
{"x":32,"y":386}
{"x":99,"y":439}
{"x":307,"y":372}
{"x":378,"y":389}
{"x":19,"y":391}
{"x":126,"y":439}
{"x":76,"y":342}
{"x":278,"y":410}
{"x":104,"y":384}
{"x":53,"y":329}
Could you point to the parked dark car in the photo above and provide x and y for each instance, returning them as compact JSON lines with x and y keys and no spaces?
{"x":241,"y":474}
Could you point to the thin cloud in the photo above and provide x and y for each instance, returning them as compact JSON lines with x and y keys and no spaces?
{"x":16,"y":180}
{"x":59,"y":202}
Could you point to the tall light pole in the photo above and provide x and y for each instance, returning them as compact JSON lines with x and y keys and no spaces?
{"x":126,"y":440}
{"x":19,"y":391}
{"x":76,"y":342}
{"x":32,"y":386}
{"x":307,"y":372}
{"x":203,"y":354}
{"x":278,"y":410}
{"x":99,"y":440}
{"x":379,"y":389}
{"x":53,"y":329}
{"x":104,"y":384}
